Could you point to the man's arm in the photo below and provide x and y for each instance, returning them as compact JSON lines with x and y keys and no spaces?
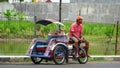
{"x":76,"y":36}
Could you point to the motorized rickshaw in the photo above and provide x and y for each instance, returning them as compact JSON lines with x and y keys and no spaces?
{"x":56,"y":47}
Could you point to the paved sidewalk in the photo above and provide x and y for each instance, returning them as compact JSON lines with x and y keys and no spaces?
{"x":22,"y":58}
{"x":112,"y":57}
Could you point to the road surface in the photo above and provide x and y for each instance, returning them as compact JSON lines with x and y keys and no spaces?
{"x":70,"y":65}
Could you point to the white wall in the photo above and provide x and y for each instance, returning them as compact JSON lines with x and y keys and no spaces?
{"x":27,"y":0}
{"x":18,"y":1}
{"x":14,"y":1}
{"x":63,"y":1}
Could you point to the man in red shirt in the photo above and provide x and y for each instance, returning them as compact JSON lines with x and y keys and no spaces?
{"x":76,"y":35}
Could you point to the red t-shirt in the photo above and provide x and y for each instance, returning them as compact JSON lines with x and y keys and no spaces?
{"x":77,"y":29}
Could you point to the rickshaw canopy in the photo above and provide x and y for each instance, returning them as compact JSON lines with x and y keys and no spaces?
{"x":46,"y":22}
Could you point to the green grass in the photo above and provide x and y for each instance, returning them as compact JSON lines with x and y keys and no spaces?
{"x":98,"y":46}
{"x":21,"y":29}
{"x":96,"y":29}
{"x":96,"y":33}
{"x":14,"y":47}
{"x":14,"y":29}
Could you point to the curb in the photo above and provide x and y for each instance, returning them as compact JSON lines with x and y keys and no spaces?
{"x":26,"y":58}
{"x":108,"y":58}
{"x":13,"y":58}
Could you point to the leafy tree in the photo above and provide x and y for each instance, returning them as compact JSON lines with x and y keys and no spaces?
{"x":1,"y":0}
{"x":21,"y":0}
{"x":7,"y":0}
{"x":9,"y":14}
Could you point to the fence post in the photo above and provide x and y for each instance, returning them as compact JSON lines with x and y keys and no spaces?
{"x":35,"y":18}
{"x":116,"y":38}
{"x":60,"y":3}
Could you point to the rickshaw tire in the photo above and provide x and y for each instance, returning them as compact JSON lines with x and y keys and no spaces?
{"x":36,"y":62}
{"x":64,"y":53}
{"x":85,"y":56}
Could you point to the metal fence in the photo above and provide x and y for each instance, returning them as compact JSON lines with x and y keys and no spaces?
{"x":16,"y":35}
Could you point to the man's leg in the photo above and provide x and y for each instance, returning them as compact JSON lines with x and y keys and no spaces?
{"x":76,"y":49}
{"x":87,"y":47}
{"x":76,"y":46}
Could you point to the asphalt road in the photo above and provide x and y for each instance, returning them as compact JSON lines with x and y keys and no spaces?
{"x":70,"y":65}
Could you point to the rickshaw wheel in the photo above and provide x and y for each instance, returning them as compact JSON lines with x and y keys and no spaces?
{"x":59,"y":55}
{"x":83,"y":58}
{"x":36,"y":60}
